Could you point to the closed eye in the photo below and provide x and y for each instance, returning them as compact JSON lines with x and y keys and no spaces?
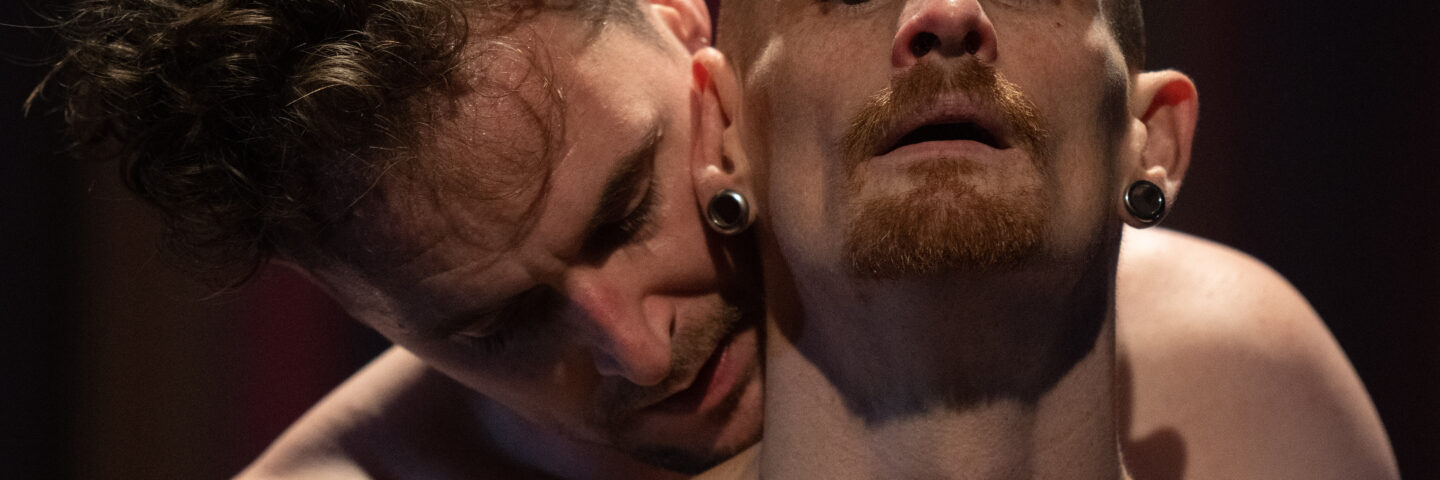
{"x":526,"y":314}
{"x":627,"y":201}
{"x":846,"y":6}
{"x":488,"y":340}
{"x":631,"y":228}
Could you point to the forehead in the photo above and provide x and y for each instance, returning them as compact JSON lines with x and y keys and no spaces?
{"x":521,"y":154}
{"x":486,"y":165}
{"x":495,"y":144}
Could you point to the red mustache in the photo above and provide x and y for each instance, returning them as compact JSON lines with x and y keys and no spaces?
{"x":911,"y":91}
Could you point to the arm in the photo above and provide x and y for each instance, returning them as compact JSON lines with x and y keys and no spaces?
{"x":395,"y":418}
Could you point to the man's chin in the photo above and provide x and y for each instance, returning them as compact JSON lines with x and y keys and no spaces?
{"x":686,"y":461}
{"x":935,"y":230}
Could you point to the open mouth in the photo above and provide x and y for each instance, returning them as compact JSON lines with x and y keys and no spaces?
{"x":949,"y":131}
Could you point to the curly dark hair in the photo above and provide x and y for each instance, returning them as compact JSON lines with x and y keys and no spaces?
{"x":253,"y":124}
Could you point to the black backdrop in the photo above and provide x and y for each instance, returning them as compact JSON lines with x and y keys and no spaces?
{"x":1316,"y":153}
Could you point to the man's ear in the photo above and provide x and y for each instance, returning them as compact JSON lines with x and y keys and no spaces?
{"x":688,"y":20}
{"x":1165,"y":107}
{"x":718,"y":161}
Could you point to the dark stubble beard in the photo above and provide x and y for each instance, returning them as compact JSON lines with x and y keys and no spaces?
{"x":944,"y":223}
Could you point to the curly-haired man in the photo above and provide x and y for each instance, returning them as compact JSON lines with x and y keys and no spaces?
{"x":505,"y":189}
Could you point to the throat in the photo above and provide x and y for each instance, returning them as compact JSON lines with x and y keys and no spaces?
{"x":927,"y":390}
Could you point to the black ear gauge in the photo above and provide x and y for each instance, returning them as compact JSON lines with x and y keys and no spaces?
{"x":728,"y":212}
{"x":1145,"y":201}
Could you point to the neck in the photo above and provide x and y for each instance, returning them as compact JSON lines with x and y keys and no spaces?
{"x":943,"y":377}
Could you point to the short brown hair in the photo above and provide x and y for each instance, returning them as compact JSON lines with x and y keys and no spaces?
{"x":252,"y":125}
{"x":1127,"y":23}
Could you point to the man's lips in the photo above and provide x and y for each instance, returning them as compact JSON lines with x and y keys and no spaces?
{"x":949,"y":118}
{"x":711,"y":382}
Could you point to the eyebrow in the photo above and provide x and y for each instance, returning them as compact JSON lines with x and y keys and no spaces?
{"x":628,"y":176}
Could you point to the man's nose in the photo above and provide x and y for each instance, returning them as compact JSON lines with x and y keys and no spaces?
{"x":943,"y":28}
{"x":625,"y":339}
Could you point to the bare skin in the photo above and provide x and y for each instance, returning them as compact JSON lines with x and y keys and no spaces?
{"x":591,"y":302}
{"x":1205,"y":270}
{"x":398,"y":418}
{"x":1236,"y":376}
{"x":1226,"y":374}
{"x":625,"y":296}
{"x":1239,"y":332}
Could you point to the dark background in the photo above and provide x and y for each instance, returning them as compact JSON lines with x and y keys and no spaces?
{"x":1316,"y":153}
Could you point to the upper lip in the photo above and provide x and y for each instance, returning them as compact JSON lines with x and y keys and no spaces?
{"x":972,"y":120}
{"x":693,"y":376}
{"x":682,"y":386}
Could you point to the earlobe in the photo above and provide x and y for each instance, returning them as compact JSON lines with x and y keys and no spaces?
{"x":688,"y":20}
{"x":1166,"y":106}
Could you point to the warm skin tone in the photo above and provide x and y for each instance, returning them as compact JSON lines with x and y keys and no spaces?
{"x":586,"y":310}
{"x":820,"y":424}
{"x":1224,"y":371}
{"x":1253,"y":388}
{"x":971,"y":373}
{"x":1188,"y":362}
{"x":399,"y":400}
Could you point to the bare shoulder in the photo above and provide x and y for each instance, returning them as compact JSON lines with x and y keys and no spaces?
{"x":1200,"y":284}
{"x":395,"y":418}
{"x":1227,"y":372}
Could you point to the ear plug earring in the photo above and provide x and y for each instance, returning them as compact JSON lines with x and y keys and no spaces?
{"x":1145,"y":201}
{"x":728,"y":212}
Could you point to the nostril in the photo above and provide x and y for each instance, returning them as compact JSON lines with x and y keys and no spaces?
{"x":972,"y":42}
{"x":923,"y":43}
